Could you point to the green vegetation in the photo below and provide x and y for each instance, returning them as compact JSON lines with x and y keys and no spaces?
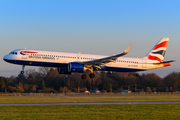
{"x":89,"y":112}
{"x":88,"y":98}
{"x":47,"y":80}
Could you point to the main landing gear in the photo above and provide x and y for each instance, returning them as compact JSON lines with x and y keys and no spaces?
{"x":91,"y":75}
{"x":83,"y":76}
{"x":22,"y":71}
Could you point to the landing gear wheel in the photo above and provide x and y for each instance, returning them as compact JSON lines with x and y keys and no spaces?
{"x":92,"y":75}
{"x":22,"y":72}
{"x":83,"y":76}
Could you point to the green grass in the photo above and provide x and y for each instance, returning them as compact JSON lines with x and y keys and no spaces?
{"x":89,"y":112}
{"x":87,"y":98}
{"x":100,"y":112}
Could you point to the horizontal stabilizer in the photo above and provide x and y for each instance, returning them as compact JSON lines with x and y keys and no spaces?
{"x":165,"y":62}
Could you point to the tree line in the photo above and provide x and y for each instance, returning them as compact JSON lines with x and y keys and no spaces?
{"x":47,"y":80}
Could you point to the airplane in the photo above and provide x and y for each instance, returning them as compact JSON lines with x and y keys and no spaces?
{"x":67,"y":63}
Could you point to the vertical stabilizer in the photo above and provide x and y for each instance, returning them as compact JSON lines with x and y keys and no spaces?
{"x":158,"y":52}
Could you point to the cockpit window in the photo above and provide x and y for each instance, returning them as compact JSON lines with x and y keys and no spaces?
{"x":15,"y":53}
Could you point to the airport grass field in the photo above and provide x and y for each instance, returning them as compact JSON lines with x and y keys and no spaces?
{"x":88,"y":98}
{"x":100,"y":112}
{"x":88,"y":112}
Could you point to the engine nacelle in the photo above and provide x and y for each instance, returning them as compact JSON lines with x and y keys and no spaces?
{"x":76,"y":67}
{"x":61,"y":70}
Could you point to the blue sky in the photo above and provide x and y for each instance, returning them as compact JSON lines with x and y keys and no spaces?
{"x":89,"y":26}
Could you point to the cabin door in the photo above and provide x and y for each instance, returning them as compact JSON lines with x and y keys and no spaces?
{"x":78,"y":58}
{"x":144,"y":64}
{"x":24,"y":56}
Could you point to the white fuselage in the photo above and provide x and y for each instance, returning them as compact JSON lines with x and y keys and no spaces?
{"x":61,"y":59}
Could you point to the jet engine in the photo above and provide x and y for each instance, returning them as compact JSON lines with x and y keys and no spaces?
{"x":76,"y":67}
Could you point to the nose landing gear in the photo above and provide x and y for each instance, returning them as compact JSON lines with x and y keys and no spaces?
{"x":22,"y":71}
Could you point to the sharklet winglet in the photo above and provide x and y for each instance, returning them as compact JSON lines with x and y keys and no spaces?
{"x":127,"y":50}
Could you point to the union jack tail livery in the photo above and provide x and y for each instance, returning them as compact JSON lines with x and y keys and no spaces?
{"x":158,"y":52}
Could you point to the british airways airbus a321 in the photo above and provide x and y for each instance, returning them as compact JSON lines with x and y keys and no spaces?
{"x":66,"y":63}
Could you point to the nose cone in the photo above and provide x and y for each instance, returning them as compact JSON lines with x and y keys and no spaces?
{"x":5,"y":58}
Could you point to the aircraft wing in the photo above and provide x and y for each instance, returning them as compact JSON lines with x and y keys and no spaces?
{"x":103,"y":61}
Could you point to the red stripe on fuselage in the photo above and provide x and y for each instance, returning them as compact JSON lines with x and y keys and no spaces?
{"x":27,"y":52}
{"x":163,"y":44}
